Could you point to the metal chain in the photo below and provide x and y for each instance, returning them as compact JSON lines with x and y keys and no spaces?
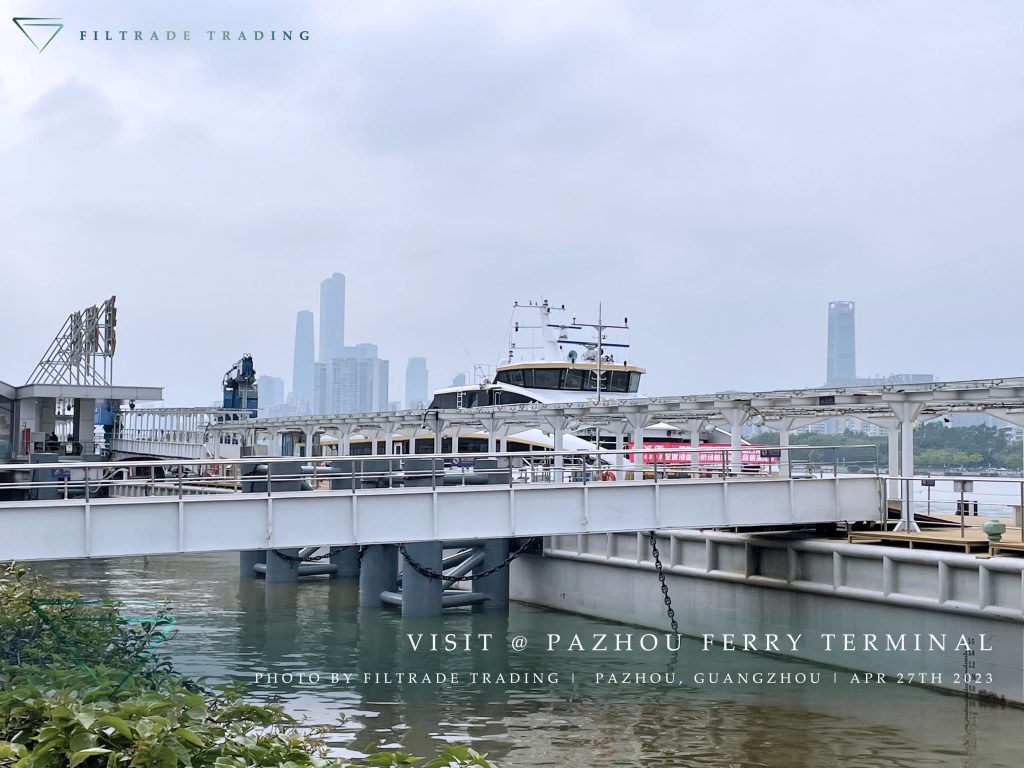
{"x":293,"y":559}
{"x":431,"y":574}
{"x":664,"y":587}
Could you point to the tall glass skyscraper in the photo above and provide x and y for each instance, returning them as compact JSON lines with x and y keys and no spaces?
{"x":842,"y":355}
{"x":302,"y":365}
{"x":332,"y":317}
{"x":416,"y":383}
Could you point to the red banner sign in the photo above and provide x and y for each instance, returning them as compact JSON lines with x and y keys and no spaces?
{"x":710,"y":453}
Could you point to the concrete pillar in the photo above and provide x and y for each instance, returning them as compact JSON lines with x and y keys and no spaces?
{"x":620,"y":446}
{"x":906,"y":413}
{"x":378,"y":573}
{"x":249,"y":558}
{"x":785,"y":467}
{"x":736,"y":418}
{"x":281,"y":569}
{"x":421,"y":596}
{"x":494,"y":586}
{"x":693,"y":429}
{"x":637,"y":424}
{"x":307,"y":448}
{"x":347,"y":560}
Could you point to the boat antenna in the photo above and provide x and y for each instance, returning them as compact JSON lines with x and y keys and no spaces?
{"x":600,"y":327}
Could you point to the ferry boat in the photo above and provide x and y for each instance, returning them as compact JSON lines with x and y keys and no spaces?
{"x":565,"y":368}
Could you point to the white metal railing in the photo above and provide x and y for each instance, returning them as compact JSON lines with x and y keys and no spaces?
{"x":268,"y":475}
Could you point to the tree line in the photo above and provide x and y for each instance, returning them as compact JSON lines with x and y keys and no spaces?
{"x":936,"y":446}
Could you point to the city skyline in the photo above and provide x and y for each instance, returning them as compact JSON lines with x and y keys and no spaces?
{"x":675,"y":192}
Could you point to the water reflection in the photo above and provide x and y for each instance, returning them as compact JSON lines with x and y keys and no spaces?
{"x":231,"y":627}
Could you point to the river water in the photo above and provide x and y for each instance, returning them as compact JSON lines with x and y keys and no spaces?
{"x":574,"y":707}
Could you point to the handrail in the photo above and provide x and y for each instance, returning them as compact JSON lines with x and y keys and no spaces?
{"x":185,"y":477}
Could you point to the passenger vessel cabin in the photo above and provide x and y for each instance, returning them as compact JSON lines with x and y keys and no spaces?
{"x":545,"y":382}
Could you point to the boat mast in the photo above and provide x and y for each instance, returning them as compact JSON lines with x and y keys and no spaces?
{"x":600,"y":327}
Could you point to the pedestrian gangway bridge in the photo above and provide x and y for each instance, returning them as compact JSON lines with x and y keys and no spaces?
{"x":62,"y":510}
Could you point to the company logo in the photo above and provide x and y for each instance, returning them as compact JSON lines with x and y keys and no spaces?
{"x":39,"y":31}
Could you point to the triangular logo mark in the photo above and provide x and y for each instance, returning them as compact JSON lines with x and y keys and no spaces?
{"x":39,"y":31}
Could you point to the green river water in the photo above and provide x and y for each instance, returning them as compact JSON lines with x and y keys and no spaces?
{"x":568,"y":707}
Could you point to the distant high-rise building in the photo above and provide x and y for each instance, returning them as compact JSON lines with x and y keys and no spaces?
{"x":302,"y":366}
{"x":322,"y":388}
{"x":359,"y":380}
{"x":332,"y":317}
{"x":842,"y":356}
{"x":271,"y":391}
{"x":416,"y":383}
{"x":459,"y":380}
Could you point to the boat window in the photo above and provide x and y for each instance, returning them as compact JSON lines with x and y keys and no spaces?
{"x":514,"y":377}
{"x":634,"y":381}
{"x":527,"y":378}
{"x":445,"y":400}
{"x":514,"y":398}
{"x":546,"y":378}
{"x":592,"y":381}
{"x":573,"y":379}
{"x":618,"y":381}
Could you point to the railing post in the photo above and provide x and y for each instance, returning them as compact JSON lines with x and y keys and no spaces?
{"x":655,"y":467}
{"x":181,"y":474}
{"x":270,"y":472}
{"x":86,"y":485}
{"x":835,"y":461}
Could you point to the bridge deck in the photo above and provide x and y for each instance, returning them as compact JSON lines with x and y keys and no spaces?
{"x":34,"y":530}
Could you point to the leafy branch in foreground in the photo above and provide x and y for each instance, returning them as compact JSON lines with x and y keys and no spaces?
{"x":80,"y":687}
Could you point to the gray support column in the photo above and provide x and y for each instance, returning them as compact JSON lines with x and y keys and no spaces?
{"x":785,"y":467}
{"x":281,"y":569}
{"x":693,"y":428}
{"x":249,"y":558}
{"x":638,"y":422}
{"x":906,"y":412}
{"x":736,"y":417}
{"x":494,"y":586}
{"x":347,"y":560}
{"x":378,"y":573}
{"x":421,"y":595}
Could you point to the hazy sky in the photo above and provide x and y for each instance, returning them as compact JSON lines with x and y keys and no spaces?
{"x":717,"y":171}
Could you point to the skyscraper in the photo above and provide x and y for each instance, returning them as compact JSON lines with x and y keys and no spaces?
{"x":416,"y":383}
{"x":271,"y":389}
{"x":332,"y":317}
{"x":842,"y":356}
{"x":359,"y":381}
{"x":459,"y":380}
{"x":302,"y":366}
{"x":322,"y":388}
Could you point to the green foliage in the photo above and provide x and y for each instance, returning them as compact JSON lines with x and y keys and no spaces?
{"x":935,"y":446}
{"x":40,"y":624}
{"x":80,"y":688}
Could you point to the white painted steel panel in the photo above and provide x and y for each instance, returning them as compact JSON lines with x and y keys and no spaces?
{"x":55,"y":529}
{"x":392,"y":516}
{"x":294,"y":517}
{"x":623,"y":507}
{"x":231,"y":526}
{"x":143,"y":527}
{"x":42,"y":532}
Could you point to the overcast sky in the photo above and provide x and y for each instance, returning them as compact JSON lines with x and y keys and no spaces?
{"x":717,"y":171}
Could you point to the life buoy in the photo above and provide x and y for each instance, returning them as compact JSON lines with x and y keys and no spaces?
{"x":607,"y":475}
